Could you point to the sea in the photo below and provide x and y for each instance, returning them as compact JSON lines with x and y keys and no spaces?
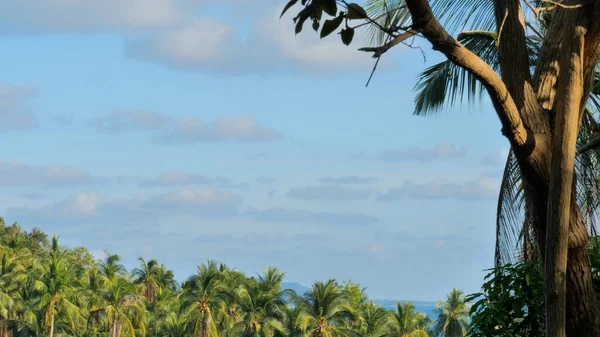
{"x":425,"y":307}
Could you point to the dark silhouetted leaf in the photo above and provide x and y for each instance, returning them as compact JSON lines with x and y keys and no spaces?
{"x":331,"y":25}
{"x":330,"y":7}
{"x":347,"y":35}
{"x":288,"y":6}
{"x":315,"y":25}
{"x":356,"y":12}
{"x":300,"y":23}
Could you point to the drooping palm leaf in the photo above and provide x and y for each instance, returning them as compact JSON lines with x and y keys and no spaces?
{"x":443,"y":83}
{"x":510,"y":214}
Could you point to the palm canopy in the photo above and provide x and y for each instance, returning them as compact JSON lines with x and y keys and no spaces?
{"x":445,"y":84}
{"x":407,"y":322}
{"x":452,"y":316}
{"x":375,"y":321}
{"x":325,"y":306}
{"x":202,"y":296}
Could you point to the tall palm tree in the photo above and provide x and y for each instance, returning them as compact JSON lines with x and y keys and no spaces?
{"x":202,"y":295}
{"x":375,"y":321}
{"x":56,"y":289}
{"x":445,"y":84}
{"x":453,"y":314}
{"x":325,"y":309}
{"x":293,"y":319}
{"x":147,"y":276}
{"x":261,"y":305}
{"x":407,"y":322}
{"x":173,"y":325}
{"x":122,"y":307}
{"x":12,"y":277}
{"x":111,"y":267}
{"x":120,"y":304}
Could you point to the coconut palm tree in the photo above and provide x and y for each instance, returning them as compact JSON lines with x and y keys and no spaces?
{"x":452,"y":316}
{"x":261,"y":305}
{"x":375,"y":321}
{"x":175,"y":324}
{"x":111,"y":267}
{"x":325,"y":310}
{"x":122,"y":307}
{"x":202,"y":295}
{"x":57,"y":289}
{"x":119,"y":303}
{"x":147,"y":276}
{"x":293,"y":322}
{"x":407,"y":322}
{"x":12,"y":277}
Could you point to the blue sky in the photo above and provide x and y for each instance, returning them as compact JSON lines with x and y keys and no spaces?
{"x":189,"y":130}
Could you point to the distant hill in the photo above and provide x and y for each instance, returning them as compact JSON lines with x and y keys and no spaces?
{"x":422,"y":306}
{"x":297,"y":287}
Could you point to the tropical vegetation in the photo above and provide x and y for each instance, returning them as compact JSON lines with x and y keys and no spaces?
{"x":50,"y":290}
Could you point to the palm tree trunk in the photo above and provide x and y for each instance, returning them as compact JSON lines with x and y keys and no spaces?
{"x":204,"y":332}
{"x":3,"y":327}
{"x":52,"y":324}
{"x":113,"y":329}
{"x":582,"y":317}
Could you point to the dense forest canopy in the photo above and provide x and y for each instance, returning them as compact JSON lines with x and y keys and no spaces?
{"x":50,"y":290}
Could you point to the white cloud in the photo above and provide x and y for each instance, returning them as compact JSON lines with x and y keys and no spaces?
{"x":122,"y":121}
{"x":265,"y":180}
{"x":205,"y":43}
{"x":61,"y":16}
{"x":329,"y":192}
{"x":236,"y":128}
{"x":290,"y":215}
{"x":81,"y":204}
{"x":376,"y":248}
{"x":202,"y":201}
{"x":482,"y":188}
{"x":19,"y":174}
{"x":350,"y":180}
{"x":179,"y":178}
{"x":440,"y":151}
{"x":92,"y":208}
{"x":209,"y":44}
{"x":14,"y":114}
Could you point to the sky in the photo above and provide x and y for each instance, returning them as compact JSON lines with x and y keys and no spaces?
{"x":189,"y":130}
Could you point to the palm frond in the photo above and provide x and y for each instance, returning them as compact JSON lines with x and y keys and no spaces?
{"x":445,"y":82}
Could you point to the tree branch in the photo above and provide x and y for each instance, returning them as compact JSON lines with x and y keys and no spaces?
{"x":425,"y":22}
{"x":378,"y":51}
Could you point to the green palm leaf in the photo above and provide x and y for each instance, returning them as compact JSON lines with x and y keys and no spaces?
{"x":445,"y":82}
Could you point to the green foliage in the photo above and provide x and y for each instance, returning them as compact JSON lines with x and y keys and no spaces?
{"x":45,"y":287}
{"x":314,"y":9}
{"x":355,"y":295}
{"x":511,"y":303}
{"x":406,"y":321}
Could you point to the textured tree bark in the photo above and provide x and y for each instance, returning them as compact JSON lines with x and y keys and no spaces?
{"x":582,"y":311}
{"x":564,"y":142}
{"x":113,"y":329}
{"x":540,"y":118}
{"x":52,"y":324}
{"x":3,"y":327}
